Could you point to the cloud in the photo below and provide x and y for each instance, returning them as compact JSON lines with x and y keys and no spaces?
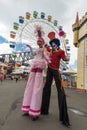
{"x":4,"y":30}
{"x":6,"y":49}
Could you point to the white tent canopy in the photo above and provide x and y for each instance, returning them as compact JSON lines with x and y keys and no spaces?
{"x":69,"y":71}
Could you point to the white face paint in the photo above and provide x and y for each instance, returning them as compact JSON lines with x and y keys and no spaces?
{"x":54,"y":47}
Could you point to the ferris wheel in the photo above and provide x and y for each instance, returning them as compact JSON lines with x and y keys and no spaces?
{"x":23,"y":30}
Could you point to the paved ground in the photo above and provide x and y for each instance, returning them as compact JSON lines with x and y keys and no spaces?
{"x":11,"y":95}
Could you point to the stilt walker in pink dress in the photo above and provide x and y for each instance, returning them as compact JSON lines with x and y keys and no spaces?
{"x":33,"y":92}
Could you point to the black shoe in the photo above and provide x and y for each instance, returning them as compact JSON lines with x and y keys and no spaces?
{"x":67,"y":124}
{"x":35,"y":118}
{"x":44,"y":113}
{"x":25,"y":114}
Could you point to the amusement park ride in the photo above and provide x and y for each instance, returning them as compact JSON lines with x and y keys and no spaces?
{"x":23,"y":32}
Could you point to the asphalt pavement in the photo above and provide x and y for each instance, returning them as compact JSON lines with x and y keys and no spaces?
{"x":11,"y":96}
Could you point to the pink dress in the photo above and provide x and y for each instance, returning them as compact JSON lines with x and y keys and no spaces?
{"x":33,"y":91}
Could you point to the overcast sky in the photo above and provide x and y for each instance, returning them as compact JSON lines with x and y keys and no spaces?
{"x":62,"y":10}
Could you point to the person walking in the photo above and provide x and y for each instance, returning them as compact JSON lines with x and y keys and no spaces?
{"x":1,"y":77}
{"x":53,"y":73}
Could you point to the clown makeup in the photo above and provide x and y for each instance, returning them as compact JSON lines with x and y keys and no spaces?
{"x":39,"y":43}
{"x":54,"y":47}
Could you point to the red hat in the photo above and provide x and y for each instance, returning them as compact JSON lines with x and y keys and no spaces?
{"x":51,"y":35}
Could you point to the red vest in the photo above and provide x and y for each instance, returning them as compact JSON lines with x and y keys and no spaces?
{"x":55,"y":59}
